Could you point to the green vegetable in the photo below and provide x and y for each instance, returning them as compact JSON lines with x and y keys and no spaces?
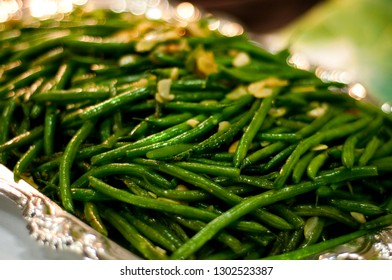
{"x":169,"y":146}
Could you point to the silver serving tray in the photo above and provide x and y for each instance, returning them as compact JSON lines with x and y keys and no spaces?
{"x":56,"y":230}
{"x":53,"y":228}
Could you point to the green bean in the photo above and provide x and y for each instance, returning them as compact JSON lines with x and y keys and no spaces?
{"x":263,"y":153}
{"x":230,"y":255}
{"x":256,"y":181}
{"x":25,"y":123}
{"x":27,"y":159}
{"x":148,"y":231}
{"x":387,"y":204}
{"x":189,"y":84}
{"x":236,"y":212}
{"x":227,"y":239}
{"x":378,"y":223}
{"x":249,"y":75}
{"x":200,"y":130}
{"x":315,"y":164}
{"x":163,"y":224}
{"x":272,"y":220}
{"x":342,"y":175}
{"x":106,"y":66}
{"x":168,"y":152}
{"x":235,"y":42}
{"x":169,"y":207}
{"x":383,"y":165}
{"x":369,"y":151}
{"x":22,"y":139}
{"x":169,"y":134}
{"x":176,"y":229}
{"x":250,"y":132}
{"x":44,"y":42}
{"x":88,"y":195}
{"x":371,"y":130}
{"x":306,"y":144}
{"x":50,"y":124}
{"x":317,"y":124}
{"x":105,"y":129}
{"x":294,"y":239}
{"x":222,"y":156}
{"x":330,"y":192}
{"x":5,"y":120}
{"x":348,"y":152}
{"x":10,"y":35}
{"x":145,"y":247}
{"x":291,"y":100}
{"x":288,"y":137}
{"x":125,"y":169}
{"x":50,"y":165}
{"x":214,"y":189}
{"x":67,"y":161}
{"x":244,"y":75}
{"x":384,"y":150}
{"x":281,"y":156}
{"x":215,"y":170}
{"x":141,"y":129}
{"x":324,"y":95}
{"x":136,"y":188}
{"x":50,"y":56}
{"x":292,"y":124}
{"x":278,"y":245}
{"x":63,"y":76}
{"x":363,"y":207}
{"x":187,"y":176}
{"x":106,"y":106}
{"x":325,"y":211}
{"x":341,"y":118}
{"x":201,"y":107}
{"x":170,"y":120}
{"x":71,"y":96}
{"x":198,"y":96}
{"x":175,"y":194}
{"x":302,"y":165}
{"x":221,"y":137}
{"x":119,"y":131}
{"x":288,"y":215}
{"x":24,"y":79}
{"x":92,"y":216}
{"x":317,"y":248}
{"x":241,"y":189}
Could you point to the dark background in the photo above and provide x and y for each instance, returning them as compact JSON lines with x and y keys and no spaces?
{"x":259,"y":16}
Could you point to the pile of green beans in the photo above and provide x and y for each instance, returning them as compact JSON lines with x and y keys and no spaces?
{"x":180,"y":143}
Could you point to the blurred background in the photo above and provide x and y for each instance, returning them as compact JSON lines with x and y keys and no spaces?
{"x":259,"y":16}
{"x":351,"y":39}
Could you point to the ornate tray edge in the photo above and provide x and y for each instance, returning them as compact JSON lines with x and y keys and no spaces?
{"x":55,"y":228}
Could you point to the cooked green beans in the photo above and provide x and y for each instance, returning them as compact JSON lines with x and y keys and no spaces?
{"x":93,"y":217}
{"x":251,"y":130}
{"x":67,"y":161}
{"x":181,"y":146}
